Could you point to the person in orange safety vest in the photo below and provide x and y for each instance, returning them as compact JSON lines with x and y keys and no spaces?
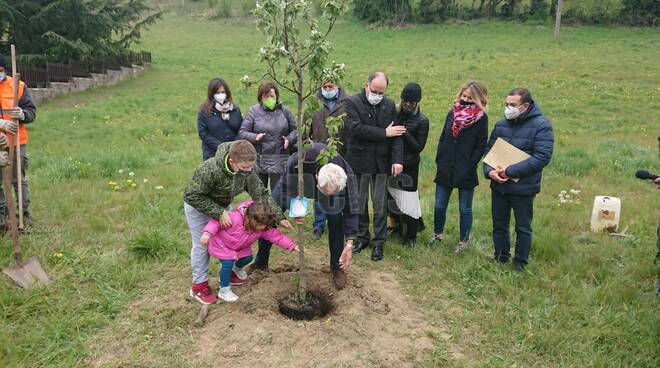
{"x":25,"y":113}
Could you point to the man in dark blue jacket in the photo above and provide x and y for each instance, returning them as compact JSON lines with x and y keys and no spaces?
{"x":528,"y":129}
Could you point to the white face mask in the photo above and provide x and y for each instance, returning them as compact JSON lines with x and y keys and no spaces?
{"x":220,"y":97}
{"x":374,"y":99}
{"x":511,"y":112}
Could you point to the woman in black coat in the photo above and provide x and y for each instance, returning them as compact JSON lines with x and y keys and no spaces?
{"x":407,"y":215}
{"x":461,"y":146}
{"x":218,"y":119}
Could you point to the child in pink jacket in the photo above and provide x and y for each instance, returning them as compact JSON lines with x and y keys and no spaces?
{"x":233,"y":245}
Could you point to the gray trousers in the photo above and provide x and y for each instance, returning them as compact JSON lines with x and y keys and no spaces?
{"x":24,"y":184}
{"x":378,"y":185}
{"x":199,"y":254}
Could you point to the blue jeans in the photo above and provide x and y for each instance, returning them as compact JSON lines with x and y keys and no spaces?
{"x":319,"y":218}
{"x":226,"y":266}
{"x":442,"y":195}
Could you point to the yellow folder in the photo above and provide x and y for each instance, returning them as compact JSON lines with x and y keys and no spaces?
{"x":504,"y":154}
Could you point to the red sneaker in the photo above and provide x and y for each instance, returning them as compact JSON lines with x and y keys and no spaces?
{"x":235,"y":280}
{"x":202,"y":292}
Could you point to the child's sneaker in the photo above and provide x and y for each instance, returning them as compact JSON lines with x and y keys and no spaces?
{"x":235,"y":280}
{"x":202,"y":292}
{"x":240,"y":272}
{"x":227,"y":295}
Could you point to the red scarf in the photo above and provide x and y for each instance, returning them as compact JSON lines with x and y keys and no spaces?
{"x":465,"y":116}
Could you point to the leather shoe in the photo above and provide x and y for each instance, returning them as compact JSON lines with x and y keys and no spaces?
{"x":254,"y":267}
{"x":339,"y":278}
{"x":361,"y":245}
{"x":377,"y":253}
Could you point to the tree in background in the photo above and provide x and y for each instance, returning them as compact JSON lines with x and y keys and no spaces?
{"x":641,"y":12}
{"x":296,"y":58}
{"x":59,"y":30}
{"x":390,"y":12}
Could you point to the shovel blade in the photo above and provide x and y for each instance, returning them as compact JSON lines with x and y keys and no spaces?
{"x":27,"y":273}
{"x":35,"y":269}
{"x":20,"y":275}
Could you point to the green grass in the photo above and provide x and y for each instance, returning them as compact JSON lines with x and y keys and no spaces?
{"x":586,"y":299}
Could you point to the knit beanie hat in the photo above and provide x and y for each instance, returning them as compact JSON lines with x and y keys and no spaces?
{"x":412,"y":92}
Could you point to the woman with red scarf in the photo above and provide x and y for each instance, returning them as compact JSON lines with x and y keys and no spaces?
{"x":461,"y":146}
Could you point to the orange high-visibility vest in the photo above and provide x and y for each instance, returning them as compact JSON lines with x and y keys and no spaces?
{"x":7,"y":102}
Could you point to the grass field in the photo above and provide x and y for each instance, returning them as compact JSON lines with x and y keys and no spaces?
{"x":585,"y":299}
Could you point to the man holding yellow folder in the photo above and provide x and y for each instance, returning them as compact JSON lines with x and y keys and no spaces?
{"x":514,"y":185}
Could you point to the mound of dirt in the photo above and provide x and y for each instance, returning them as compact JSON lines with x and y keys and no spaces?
{"x":373,"y":324}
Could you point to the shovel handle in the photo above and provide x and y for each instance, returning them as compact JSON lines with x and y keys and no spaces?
{"x":9,"y":197}
{"x":17,"y":140}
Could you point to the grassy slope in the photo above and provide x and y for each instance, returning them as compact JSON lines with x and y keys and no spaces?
{"x":586,"y":300}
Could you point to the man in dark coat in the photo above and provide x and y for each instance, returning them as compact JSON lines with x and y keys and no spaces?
{"x":332,"y":99}
{"x":528,"y":129}
{"x":374,"y":151}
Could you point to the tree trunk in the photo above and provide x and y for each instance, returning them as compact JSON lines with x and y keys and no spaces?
{"x":302,"y":284}
{"x":558,"y":20}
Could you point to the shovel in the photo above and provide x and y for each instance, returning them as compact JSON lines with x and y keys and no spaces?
{"x":26,"y":272}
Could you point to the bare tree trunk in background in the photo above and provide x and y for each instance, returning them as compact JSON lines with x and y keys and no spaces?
{"x":558,"y":20}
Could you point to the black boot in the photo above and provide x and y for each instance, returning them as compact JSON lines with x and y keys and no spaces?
{"x":377,"y":253}
{"x":360,"y":246}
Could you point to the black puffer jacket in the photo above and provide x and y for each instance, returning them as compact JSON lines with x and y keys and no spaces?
{"x":414,"y":140}
{"x":457,"y":158}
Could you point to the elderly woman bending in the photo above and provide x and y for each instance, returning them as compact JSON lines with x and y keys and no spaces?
{"x":334,"y":186}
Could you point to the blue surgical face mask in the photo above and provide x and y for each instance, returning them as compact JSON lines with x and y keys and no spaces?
{"x":329,"y":94}
{"x":2,"y":76}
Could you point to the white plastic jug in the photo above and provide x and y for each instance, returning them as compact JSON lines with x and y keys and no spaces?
{"x":605,"y":214}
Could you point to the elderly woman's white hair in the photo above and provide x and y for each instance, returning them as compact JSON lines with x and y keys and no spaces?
{"x":332,"y":177}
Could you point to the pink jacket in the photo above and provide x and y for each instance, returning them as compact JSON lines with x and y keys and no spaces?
{"x":235,"y":242}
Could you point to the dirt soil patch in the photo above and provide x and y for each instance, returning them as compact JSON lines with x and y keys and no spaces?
{"x":373,"y":324}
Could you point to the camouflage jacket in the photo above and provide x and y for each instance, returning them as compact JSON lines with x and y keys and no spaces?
{"x":214,"y":186}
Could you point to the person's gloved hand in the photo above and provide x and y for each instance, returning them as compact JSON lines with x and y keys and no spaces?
{"x":8,"y":126}
{"x":3,"y":141}
{"x":17,"y":113}
{"x":4,"y":158}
